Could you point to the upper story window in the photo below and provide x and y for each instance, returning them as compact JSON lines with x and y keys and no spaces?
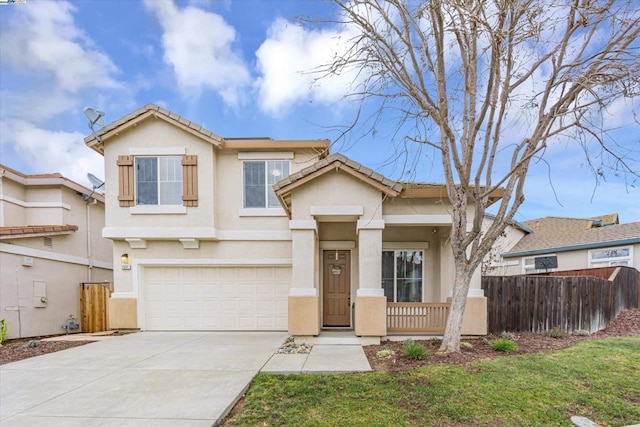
{"x":402,"y":275}
{"x":158,"y":180}
{"x":611,"y":257}
{"x":149,"y":183}
{"x":259,"y":177}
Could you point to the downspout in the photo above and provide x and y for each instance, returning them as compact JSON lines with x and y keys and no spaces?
{"x":88,"y":221}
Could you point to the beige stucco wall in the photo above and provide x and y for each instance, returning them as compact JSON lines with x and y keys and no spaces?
{"x":229,"y":188}
{"x":11,"y":213}
{"x":58,"y":269}
{"x":171,"y":252}
{"x":21,"y":305}
{"x":156,"y":134}
{"x":400,"y":206}
{"x":494,"y":264}
{"x":336,"y":189}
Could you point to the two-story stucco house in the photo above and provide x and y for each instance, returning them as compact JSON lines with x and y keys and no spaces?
{"x":260,"y":234}
{"x":50,"y":242}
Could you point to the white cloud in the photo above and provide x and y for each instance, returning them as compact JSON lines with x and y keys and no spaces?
{"x":45,"y":39}
{"x":53,"y":151}
{"x":288,"y":62}
{"x":198,"y":46}
{"x":55,"y":65}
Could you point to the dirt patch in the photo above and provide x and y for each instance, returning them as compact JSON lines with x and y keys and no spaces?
{"x":479,"y":348}
{"x":24,"y":348}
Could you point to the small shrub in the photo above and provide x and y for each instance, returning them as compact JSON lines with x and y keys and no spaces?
{"x":414,"y":351}
{"x":504,"y":345}
{"x":508,"y":335}
{"x":555,"y":332}
{"x":582,"y":333}
{"x":466,"y":345}
{"x":4,"y":327}
{"x":385,"y":353}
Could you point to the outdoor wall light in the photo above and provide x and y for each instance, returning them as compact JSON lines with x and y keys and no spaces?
{"x":124,"y":262}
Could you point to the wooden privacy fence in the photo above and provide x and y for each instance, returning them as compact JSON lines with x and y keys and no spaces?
{"x":540,"y":303}
{"x":403,"y":317}
{"x":93,"y":306}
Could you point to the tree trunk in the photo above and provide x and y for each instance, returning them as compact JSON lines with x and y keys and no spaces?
{"x":462,"y":281}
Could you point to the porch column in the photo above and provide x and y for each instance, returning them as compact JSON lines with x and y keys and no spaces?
{"x":303,"y":301}
{"x":371,"y":304}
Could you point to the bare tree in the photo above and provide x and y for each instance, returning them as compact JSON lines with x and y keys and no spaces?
{"x":489,"y":85}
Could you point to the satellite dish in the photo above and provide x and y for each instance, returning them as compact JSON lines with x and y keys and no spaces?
{"x":94,"y":116}
{"x":97,"y":183}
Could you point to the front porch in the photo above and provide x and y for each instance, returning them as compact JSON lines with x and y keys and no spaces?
{"x":402,"y":318}
{"x":368,"y":255}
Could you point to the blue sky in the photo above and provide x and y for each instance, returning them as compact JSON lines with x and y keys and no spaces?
{"x":238,"y":68}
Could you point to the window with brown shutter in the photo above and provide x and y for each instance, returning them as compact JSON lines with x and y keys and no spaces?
{"x":190,"y":180}
{"x":125,"y":181}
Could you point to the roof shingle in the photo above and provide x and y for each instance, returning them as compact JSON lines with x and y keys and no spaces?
{"x":562,"y":234}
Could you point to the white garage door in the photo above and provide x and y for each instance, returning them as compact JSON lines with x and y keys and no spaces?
{"x":215,"y":298}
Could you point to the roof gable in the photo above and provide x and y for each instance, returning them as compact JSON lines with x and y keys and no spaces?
{"x":341,"y":162}
{"x":406,"y":190}
{"x":97,"y":139}
{"x":334,"y":162}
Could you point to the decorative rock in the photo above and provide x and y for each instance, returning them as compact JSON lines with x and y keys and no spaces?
{"x":582,"y":421}
{"x":291,"y":347}
{"x":30,"y":344}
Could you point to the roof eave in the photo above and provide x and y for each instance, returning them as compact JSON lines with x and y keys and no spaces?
{"x":572,"y":248}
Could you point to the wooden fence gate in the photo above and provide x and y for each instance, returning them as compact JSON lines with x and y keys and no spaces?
{"x":93,"y":306}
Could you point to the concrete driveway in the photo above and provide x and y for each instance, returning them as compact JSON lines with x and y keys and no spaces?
{"x":142,"y":379}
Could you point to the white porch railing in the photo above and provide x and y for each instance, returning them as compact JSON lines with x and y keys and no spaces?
{"x":403,"y":317}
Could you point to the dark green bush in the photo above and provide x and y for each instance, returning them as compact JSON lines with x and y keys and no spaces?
{"x":414,"y":351}
{"x":505,"y":345}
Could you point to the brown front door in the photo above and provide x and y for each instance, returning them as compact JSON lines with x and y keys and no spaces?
{"x":336,"y":288}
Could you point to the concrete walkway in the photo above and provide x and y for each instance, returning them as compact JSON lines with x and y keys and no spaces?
{"x":183,"y":379}
{"x":143,"y":379}
{"x":323,"y":358}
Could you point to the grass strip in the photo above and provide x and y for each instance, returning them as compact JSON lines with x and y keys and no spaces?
{"x":596,"y":379}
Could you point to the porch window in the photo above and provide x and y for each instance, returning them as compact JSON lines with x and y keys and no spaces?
{"x":402,"y":275}
{"x":259,"y":177}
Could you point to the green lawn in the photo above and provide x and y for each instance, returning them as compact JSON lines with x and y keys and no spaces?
{"x":596,"y":379}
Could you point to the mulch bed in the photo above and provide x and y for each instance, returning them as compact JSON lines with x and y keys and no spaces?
{"x":627,"y":323}
{"x":18,"y":349}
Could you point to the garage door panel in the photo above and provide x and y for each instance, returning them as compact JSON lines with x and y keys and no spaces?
{"x":216,"y":298}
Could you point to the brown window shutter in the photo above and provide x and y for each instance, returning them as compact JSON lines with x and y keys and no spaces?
{"x":190,"y":180}
{"x":125,"y":181}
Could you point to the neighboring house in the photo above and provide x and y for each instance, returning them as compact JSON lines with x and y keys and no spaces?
{"x":493,"y":263}
{"x":50,"y":242}
{"x":554,"y":243}
{"x":258,"y":234}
